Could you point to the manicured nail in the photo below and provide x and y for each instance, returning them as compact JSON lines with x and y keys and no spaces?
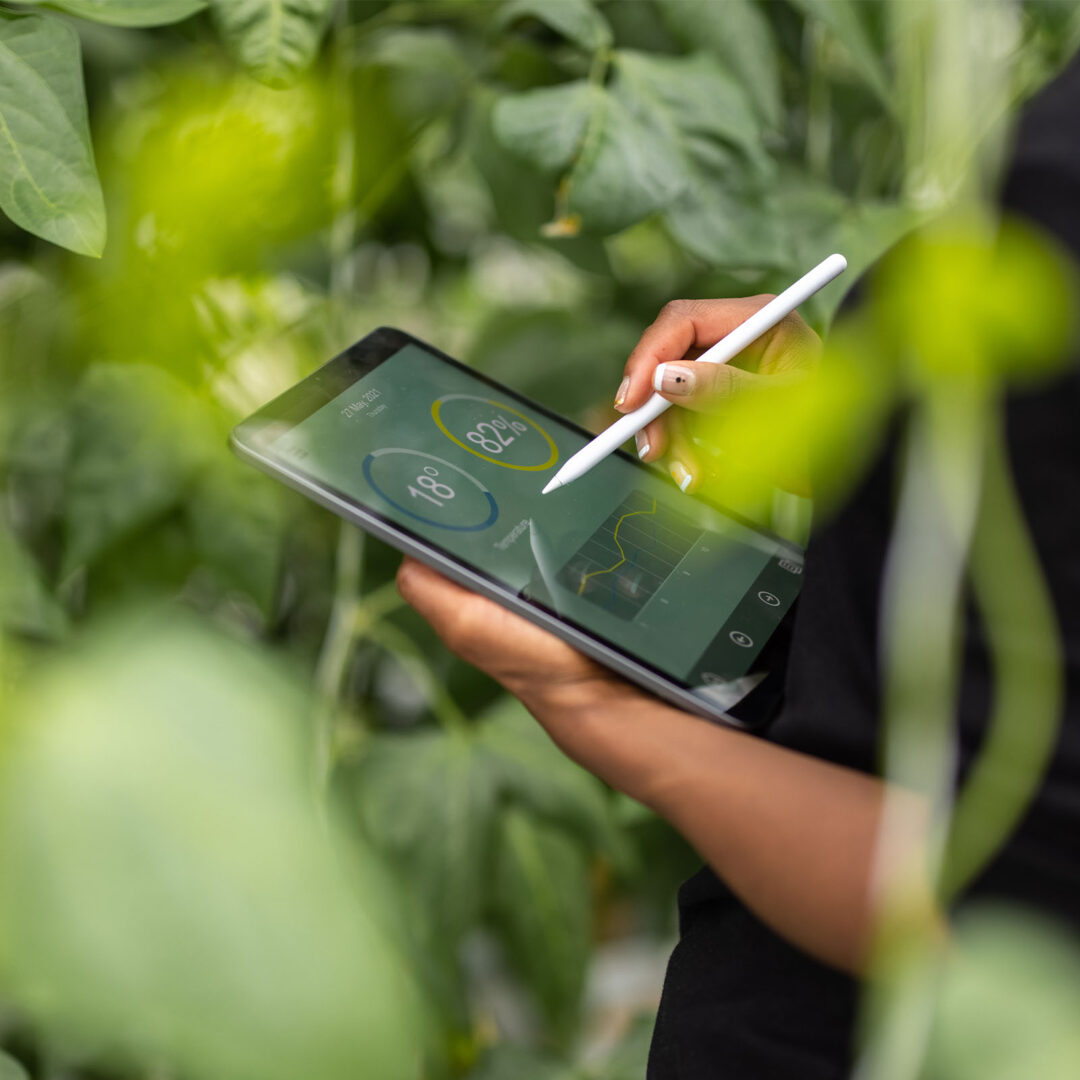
{"x":681,"y":475}
{"x":624,"y":389}
{"x":642,"y":444}
{"x":674,"y":379}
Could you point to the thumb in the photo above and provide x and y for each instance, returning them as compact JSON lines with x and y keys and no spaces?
{"x":701,"y":386}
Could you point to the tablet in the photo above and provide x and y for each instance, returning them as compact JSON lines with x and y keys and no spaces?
{"x":684,"y":598}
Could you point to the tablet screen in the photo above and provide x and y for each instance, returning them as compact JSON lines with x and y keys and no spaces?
{"x":673,"y":582}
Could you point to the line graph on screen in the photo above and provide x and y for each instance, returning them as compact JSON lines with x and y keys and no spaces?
{"x":628,"y":558}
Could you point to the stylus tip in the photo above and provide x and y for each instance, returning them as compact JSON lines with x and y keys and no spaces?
{"x":551,"y":485}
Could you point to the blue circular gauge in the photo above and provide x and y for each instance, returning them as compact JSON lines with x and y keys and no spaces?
{"x":430,"y":489}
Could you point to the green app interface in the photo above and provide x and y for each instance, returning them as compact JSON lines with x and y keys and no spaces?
{"x":621,"y":552}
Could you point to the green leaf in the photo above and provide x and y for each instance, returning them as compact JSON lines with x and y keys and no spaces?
{"x":127,"y":12}
{"x":626,"y":167}
{"x":543,"y":906}
{"x":10,"y":1069}
{"x":693,"y":97}
{"x":738,"y":34}
{"x":169,"y":890}
{"x":505,"y":1061}
{"x":238,"y":523}
{"x":26,"y":605}
{"x":513,"y":346}
{"x":546,"y":126}
{"x":139,"y":437}
{"x":620,"y":172}
{"x":818,"y":220}
{"x":427,"y":800}
{"x":725,"y":218}
{"x":577,"y":20}
{"x":649,"y":142}
{"x":722,"y":213}
{"x":844,"y":21}
{"x":431,"y":68}
{"x":1009,"y":1000}
{"x":531,"y":771}
{"x":275,"y":40}
{"x":48,"y":182}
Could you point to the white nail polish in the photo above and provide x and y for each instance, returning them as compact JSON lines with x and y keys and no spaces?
{"x":642,"y":444}
{"x":658,"y":377}
{"x":681,"y":475}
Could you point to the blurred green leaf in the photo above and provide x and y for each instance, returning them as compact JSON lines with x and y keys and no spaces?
{"x":817,"y":220}
{"x":738,"y":33}
{"x":618,"y":175}
{"x":433,"y":66}
{"x":531,"y":771}
{"x":238,"y":523}
{"x":505,"y":1061}
{"x":139,"y":436}
{"x":48,"y":183}
{"x":26,"y":604}
{"x":723,"y":217}
{"x":833,"y":423}
{"x":968,"y":298}
{"x":275,"y":40}
{"x":577,"y":20}
{"x":127,"y":12}
{"x":515,"y":346}
{"x":10,"y":1069}
{"x":674,"y":133}
{"x":695,"y":97}
{"x":546,"y":126}
{"x":844,"y":20}
{"x":167,"y":887}
{"x":427,"y":800}
{"x":1009,"y":1001}
{"x":625,"y":168}
{"x":722,"y":213}
{"x":543,"y":905}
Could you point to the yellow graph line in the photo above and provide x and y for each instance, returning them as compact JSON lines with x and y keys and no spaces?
{"x":615,"y":537}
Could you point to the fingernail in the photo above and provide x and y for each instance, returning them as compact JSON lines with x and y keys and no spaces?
{"x":642,"y":444}
{"x":681,"y":475}
{"x":624,"y":389}
{"x":673,"y":379}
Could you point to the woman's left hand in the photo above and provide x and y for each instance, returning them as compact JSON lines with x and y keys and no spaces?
{"x":587,"y":710}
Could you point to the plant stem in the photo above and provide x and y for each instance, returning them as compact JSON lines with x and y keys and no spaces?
{"x":336,"y":649}
{"x":920,"y":631}
{"x":337,"y":643}
{"x":1022,"y":635}
{"x":443,"y":706}
{"x":818,"y":105}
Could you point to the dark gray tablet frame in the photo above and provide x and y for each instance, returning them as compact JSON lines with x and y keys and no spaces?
{"x":252,"y":438}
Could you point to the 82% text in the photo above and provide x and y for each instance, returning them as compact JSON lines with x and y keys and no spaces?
{"x":494,"y":435}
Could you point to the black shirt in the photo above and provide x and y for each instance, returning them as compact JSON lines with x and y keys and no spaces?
{"x":738,"y":1000}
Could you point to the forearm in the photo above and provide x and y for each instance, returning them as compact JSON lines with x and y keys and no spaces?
{"x":793,"y":836}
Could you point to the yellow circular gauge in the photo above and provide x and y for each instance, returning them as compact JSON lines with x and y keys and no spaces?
{"x":494,"y":431}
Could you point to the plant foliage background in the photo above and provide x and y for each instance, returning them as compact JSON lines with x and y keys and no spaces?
{"x":254,"y":821}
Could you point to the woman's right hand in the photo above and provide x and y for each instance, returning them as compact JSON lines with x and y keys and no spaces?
{"x":663,"y":361}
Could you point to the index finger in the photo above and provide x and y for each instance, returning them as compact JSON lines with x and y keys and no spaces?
{"x":683,"y":327}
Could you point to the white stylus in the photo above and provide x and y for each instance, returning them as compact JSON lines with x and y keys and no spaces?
{"x":726,"y":348}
